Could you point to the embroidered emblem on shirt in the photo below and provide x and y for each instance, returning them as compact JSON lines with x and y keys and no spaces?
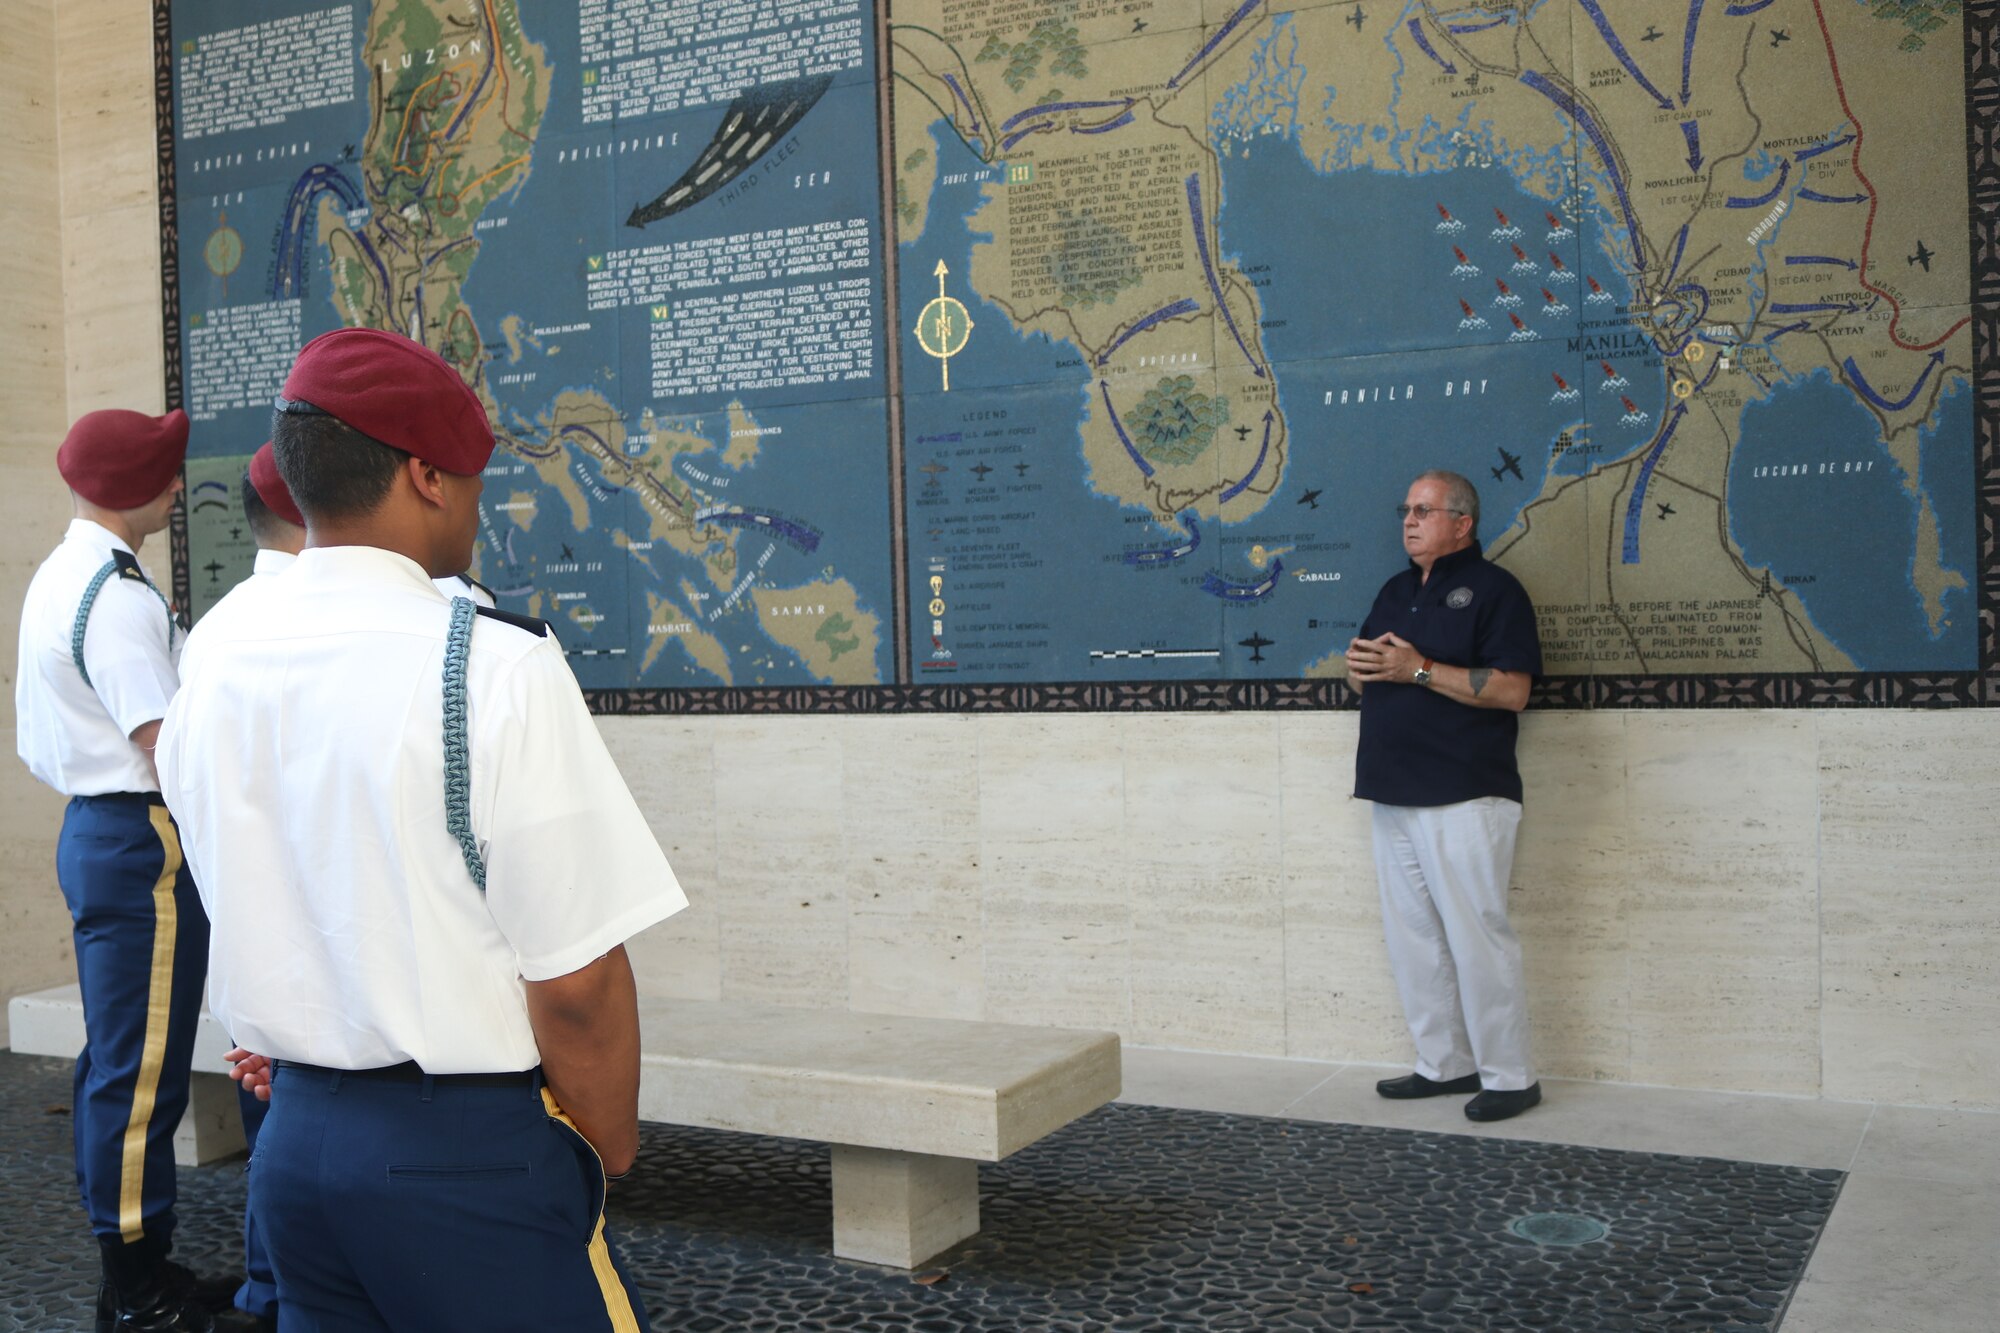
{"x":1458,"y":598}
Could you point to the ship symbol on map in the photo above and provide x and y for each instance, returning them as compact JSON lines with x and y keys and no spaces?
{"x":1563,"y":393}
{"x":1612,"y":379}
{"x":1466,"y":268}
{"x":1559,"y":271}
{"x":1552,"y":304}
{"x":1598,"y":296}
{"x":1558,"y":229}
{"x":1506,"y":298}
{"x":1471,"y":320}
{"x":1522,"y":333}
{"x":754,"y":124}
{"x":1506,"y":231}
{"x":1449,"y":225}
{"x":1523,"y":264}
{"x":1633,"y":415}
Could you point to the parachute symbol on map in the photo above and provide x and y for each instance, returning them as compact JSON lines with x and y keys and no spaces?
{"x":1506,"y":299}
{"x":1598,"y":296}
{"x":1450,"y":226}
{"x":1612,"y":379}
{"x":1471,"y":320}
{"x":1506,"y":231}
{"x":1633,"y":416}
{"x":1559,"y":271}
{"x":1466,"y":268}
{"x":1558,"y":229}
{"x":1523,"y":264}
{"x":1563,"y":393}
{"x":1522,"y":333}
{"x":753,"y":125}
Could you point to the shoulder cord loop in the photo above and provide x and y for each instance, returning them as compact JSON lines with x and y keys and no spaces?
{"x":90,"y":591}
{"x":457,"y":750}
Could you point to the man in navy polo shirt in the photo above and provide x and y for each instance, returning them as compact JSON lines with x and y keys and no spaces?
{"x":1444,"y":662}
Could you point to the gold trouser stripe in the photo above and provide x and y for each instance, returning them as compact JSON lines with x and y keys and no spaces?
{"x":159,"y":1003}
{"x":617,"y":1303}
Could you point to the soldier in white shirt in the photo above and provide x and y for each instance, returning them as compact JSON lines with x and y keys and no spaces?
{"x":96,"y":672}
{"x":422,"y":866}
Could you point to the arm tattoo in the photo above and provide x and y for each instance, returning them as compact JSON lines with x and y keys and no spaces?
{"x":1477,"y":678}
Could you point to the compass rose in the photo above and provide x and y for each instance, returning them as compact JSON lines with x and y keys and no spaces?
{"x":944,"y":327}
{"x":224,"y":251}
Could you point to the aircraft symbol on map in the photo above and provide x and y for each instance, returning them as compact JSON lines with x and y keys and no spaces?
{"x":933,"y":470}
{"x":1633,"y":415}
{"x":1922,"y":256}
{"x":347,"y":152}
{"x":1310,"y":499}
{"x":1563,"y":393}
{"x":1522,"y":333}
{"x":235,"y":534}
{"x":1450,"y":225}
{"x":1138,"y":25}
{"x":1256,"y":643}
{"x":1471,"y":320}
{"x":1598,"y":296}
{"x":980,"y":470}
{"x":1506,"y":231}
{"x":1780,"y":35}
{"x":1508,"y":463}
{"x":1651,"y":34}
{"x":1466,"y":268}
{"x":1612,"y":379}
{"x":1020,"y":469}
{"x":214,"y":568}
{"x":567,"y":553}
{"x":754,"y":123}
{"x":1242,"y":432}
{"x":1357,"y":18}
{"x":1552,"y":304}
{"x":1559,"y":271}
{"x":1664,"y":508}
{"x":1558,"y":229}
{"x":1523,"y":264}
{"x":1506,"y":299}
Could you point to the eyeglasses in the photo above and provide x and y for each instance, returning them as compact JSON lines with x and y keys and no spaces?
{"x":1424,"y":511}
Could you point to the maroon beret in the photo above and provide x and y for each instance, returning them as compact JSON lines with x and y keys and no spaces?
{"x":120,"y":460}
{"x":394,"y":391}
{"x":271,"y":488}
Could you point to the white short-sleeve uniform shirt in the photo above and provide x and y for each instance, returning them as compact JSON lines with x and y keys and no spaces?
{"x":304,"y":761}
{"x":76,"y":735}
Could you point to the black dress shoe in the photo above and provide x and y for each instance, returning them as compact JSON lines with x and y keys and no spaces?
{"x":162,"y":1312}
{"x":1410,"y":1086}
{"x":1494,"y":1105}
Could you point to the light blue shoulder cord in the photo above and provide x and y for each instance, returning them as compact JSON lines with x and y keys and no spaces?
{"x":95,"y":586}
{"x":457,"y":751}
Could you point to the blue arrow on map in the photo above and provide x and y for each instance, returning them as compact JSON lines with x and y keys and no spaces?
{"x":1827,"y":147}
{"x":1123,"y":438}
{"x":1862,"y":387}
{"x":1821,"y":259}
{"x":1687,"y":50}
{"x":1208,"y":266}
{"x":1784,"y":174}
{"x":1424,"y":43}
{"x":1596,"y":12}
{"x":1808,"y":307}
{"x":1692,"y":133}
{"x":1215,"y":41}
{"x":1258,"y":466}
{"x":1816,"y":197}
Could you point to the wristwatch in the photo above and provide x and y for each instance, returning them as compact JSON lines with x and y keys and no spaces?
{"x":1422,"y":675}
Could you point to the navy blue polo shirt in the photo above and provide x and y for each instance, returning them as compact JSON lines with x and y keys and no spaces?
{"x":1417,"y":746}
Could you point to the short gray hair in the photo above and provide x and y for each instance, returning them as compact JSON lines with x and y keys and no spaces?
{"x":1459,"y":494}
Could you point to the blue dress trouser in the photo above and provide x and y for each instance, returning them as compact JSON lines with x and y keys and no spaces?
{"x":259,"y":1293}
{"x":141,"y":956}
{"x":433,"y":1206}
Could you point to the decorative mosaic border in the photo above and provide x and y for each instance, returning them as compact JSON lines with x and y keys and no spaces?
{"x":1957,"y":689}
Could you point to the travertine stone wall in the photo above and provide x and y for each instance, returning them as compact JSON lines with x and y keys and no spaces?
{"x":1783,"y":902}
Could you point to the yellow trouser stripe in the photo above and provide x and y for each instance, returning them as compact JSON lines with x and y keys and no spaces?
{"x":617,"y":1303}
{"x":159,"y":1003}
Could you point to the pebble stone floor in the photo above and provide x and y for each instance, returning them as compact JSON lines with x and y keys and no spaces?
{"x":1134,"y":1218}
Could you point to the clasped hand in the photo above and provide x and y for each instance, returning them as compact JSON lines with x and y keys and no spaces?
{"x":1390,"y":658}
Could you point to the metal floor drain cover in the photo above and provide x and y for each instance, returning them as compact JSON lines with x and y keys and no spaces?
{"x":1558,"y":1229}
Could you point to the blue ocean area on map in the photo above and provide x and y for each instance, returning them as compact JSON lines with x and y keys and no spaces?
{"x":1802,"y":524}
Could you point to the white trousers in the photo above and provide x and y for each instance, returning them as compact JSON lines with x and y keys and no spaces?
{"x":1443,"y":873}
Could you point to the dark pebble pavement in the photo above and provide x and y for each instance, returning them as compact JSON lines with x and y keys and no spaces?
{"x":1134,"y":1218}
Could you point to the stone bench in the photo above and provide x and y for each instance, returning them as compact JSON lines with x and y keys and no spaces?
{"x":909,"y":1106}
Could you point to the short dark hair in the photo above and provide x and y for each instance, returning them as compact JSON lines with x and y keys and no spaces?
{"x":332,"y":470}
{"x":264,"y":522}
